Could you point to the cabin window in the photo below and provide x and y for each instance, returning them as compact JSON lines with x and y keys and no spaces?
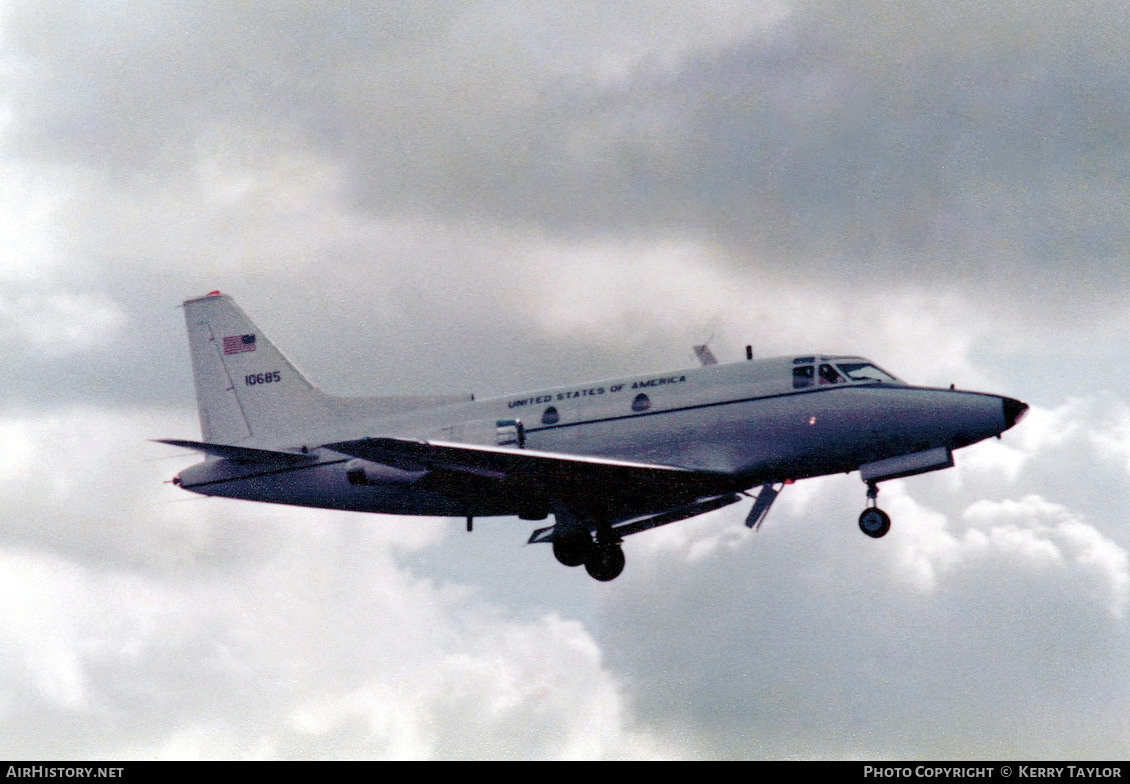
{"x":802,"y":376}
{"x":641,"y":403}
{"x":550,"y":416}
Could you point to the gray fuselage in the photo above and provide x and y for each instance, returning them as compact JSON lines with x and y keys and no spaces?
{"x":770,"y":420}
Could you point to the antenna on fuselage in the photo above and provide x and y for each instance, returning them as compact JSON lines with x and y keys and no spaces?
{"x":705,"y":355}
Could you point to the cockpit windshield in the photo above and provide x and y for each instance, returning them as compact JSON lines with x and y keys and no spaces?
{"x":865,"y":371}
{"x":808,"y":372}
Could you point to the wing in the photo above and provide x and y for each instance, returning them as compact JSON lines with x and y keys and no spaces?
{"x":516,"y":481}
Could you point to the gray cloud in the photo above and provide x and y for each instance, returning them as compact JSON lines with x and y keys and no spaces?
{"x":975,"y":635}
{"x":958,"y":145}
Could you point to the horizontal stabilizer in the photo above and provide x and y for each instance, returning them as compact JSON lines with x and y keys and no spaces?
{"x":243,"y":454}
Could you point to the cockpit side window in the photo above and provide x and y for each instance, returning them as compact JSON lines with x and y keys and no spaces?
{"x":865,"y":371}
{"x":803,"y":376}
{"x":829,"y":375}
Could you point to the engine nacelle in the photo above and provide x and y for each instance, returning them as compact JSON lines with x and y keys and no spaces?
{"x":366,"y":472}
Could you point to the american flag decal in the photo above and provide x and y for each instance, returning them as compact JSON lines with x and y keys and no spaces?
{"x":239,"y":344}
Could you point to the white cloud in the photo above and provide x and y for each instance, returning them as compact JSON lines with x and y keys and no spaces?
{"x":632,"y":293}
{"x":308,"y":654}
{"x":1112,"y":440}
{"x":988,"y":603}
{"x":44,"y":630}
{"x":27,"y":209}
{"x":61,"y":324}
{"x":809,"y":636}
{"x":220,"y":629}
{"x":610,"y":44}
{"x":1049,"y":536}
{"x":46,"y":307}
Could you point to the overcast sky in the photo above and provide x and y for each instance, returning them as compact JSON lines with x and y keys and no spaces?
{"x":425,"y":197}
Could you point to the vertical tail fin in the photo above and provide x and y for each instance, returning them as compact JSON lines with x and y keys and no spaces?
{"x":245,"y":387}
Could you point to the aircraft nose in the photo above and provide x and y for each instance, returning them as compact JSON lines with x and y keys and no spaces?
{"x":1014,"y":411}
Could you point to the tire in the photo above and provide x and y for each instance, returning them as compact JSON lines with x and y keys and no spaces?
{"x":874,"y":522}
{"x":605,"y":562}
{"x":573,"y":548}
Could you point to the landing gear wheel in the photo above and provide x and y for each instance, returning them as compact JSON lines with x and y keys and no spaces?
{"x":874,"y":522}
{"x":605,"y":562}
{"x":573,"y":548}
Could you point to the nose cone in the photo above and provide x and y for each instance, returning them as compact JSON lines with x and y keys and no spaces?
{"x":1014,"y":411}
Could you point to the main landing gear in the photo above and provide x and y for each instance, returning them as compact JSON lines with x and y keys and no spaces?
{"x":603,"y":558}
{"x":874,"y":521}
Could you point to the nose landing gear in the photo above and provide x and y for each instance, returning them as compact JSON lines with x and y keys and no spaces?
{"x":874,"y":521}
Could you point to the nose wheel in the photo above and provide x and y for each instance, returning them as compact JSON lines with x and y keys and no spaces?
{"x":874,"y":521}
